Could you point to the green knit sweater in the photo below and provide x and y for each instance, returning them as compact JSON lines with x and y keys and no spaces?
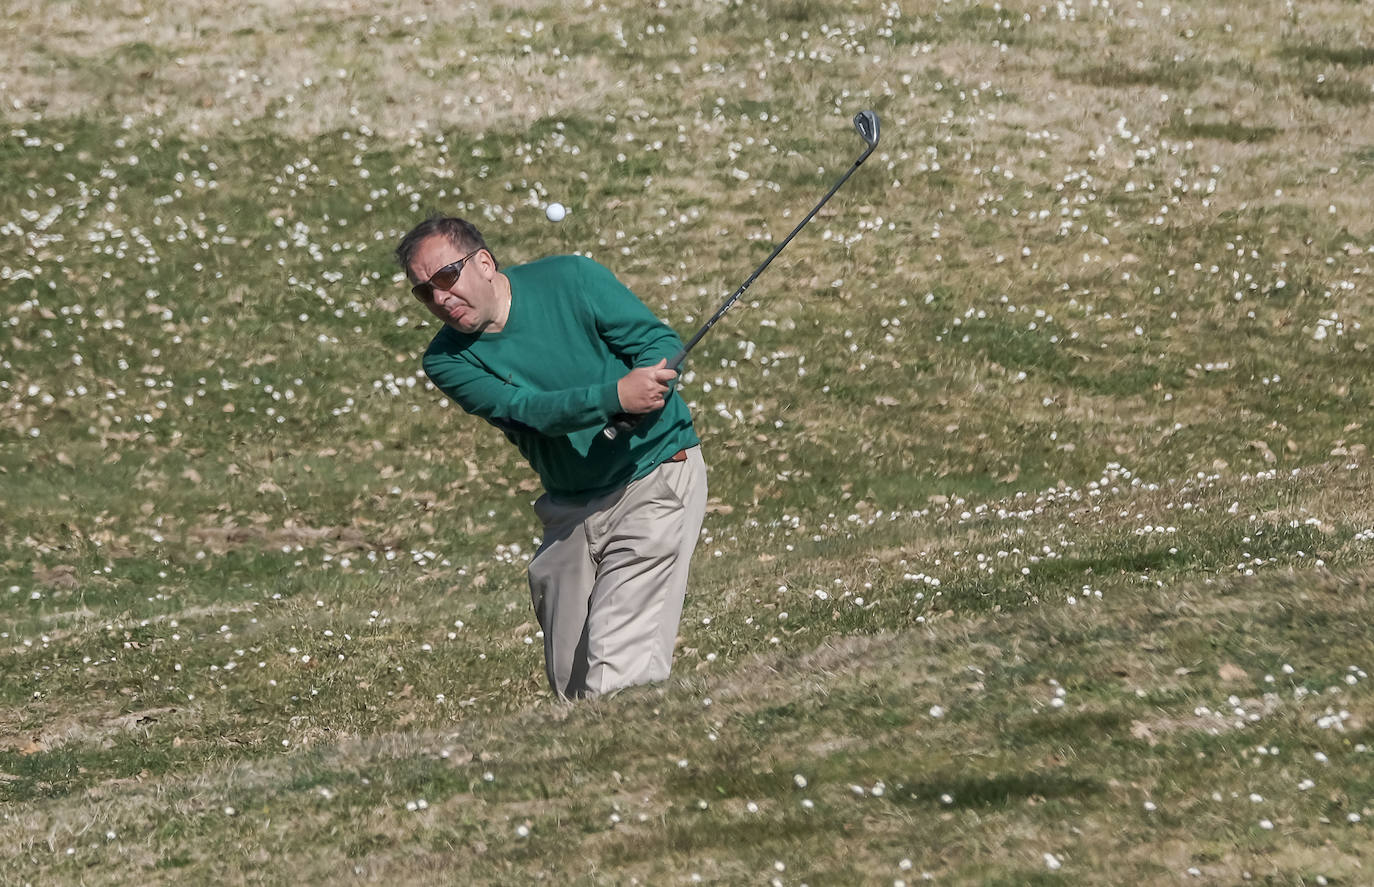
{"x":548,"y":378}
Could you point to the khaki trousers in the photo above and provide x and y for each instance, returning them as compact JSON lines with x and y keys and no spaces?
{"x":609,"y":580}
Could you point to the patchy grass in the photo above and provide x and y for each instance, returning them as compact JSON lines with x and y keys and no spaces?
{"x":1039,"y":536}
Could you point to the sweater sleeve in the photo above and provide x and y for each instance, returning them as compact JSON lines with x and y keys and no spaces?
{"x":624,"y":323}
{"x":513,"y":408}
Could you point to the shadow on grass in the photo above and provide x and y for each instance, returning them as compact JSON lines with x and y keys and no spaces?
{"x":1346,"y":57}
{"x":992,"y":791}
{"x":1227,"y":131}
{"x":1025,"y":879}
{"x":1163,"y":75}
{"x":1129,"y":560}
{"x":1084,"y":729}
{"x":1341,"y":92}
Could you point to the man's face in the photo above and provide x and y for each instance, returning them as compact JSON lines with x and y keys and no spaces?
{"x":469,"y":304}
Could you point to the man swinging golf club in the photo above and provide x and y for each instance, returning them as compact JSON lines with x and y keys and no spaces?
{"x":549,"y":352}
{"x":577,"y":372}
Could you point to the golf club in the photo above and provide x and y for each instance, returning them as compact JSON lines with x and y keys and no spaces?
{"x":866,"y":122}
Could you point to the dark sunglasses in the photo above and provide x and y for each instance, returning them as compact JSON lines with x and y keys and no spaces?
{"x":442,"y":279}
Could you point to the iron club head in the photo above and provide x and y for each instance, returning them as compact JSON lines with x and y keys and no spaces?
{"x":866,"y":122}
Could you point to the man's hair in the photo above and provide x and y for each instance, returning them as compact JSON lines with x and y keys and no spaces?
{"x":461,"y":233}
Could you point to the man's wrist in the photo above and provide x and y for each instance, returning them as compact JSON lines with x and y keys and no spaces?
{"x":610,"y":398}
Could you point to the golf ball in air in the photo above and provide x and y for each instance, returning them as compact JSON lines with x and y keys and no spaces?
{"x":556,"y":212}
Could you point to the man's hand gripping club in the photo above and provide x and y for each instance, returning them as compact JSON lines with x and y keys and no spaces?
{"x":645,"y":389}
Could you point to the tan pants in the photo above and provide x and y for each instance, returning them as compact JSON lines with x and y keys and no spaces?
{"x":609,"y":580}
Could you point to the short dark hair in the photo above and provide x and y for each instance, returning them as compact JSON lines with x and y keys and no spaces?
{"x":460,"y":232}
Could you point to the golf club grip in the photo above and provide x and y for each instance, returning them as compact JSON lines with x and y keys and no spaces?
{"x":621,"y":423}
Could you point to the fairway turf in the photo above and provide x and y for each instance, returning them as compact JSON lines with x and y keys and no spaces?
{"x":1040,"y":540}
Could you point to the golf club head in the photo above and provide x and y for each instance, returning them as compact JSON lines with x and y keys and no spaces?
{"x":866,"y":122}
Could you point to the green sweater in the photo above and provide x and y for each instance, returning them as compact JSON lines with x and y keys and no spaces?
{"x":548,"y":378}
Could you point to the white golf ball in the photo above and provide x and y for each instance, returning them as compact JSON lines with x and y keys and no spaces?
{"x":556,"y":212}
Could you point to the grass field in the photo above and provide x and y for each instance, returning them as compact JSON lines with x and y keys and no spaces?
{"x":1041,"y":534}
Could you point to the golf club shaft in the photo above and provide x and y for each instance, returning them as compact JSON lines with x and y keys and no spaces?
{"x":623,"y":422}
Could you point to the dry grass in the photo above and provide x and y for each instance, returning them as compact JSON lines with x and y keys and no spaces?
{"x":399,"y":69}
{"x":1021,"y":514}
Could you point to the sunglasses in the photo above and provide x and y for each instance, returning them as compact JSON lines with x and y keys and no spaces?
{"x":442,"y":279}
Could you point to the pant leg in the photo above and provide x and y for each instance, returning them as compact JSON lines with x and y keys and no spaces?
{"x":690,"y":486}
{"x":561,"y":576}
{"x":643,"y":545}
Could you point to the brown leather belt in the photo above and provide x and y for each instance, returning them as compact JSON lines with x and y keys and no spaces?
{"x":679,"y":456}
